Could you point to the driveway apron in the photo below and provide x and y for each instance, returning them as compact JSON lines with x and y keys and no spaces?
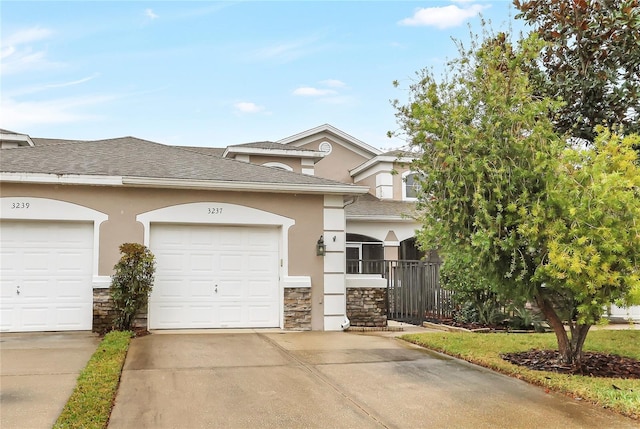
{"x":38,"y":372}
{"x":327,"y":380}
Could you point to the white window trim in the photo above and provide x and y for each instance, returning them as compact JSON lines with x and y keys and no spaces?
{"x":404,"y":186}
{"x":278,"y":165}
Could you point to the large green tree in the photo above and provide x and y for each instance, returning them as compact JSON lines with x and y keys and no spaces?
{"x":497,"y":183}
{"x":592,"y":61}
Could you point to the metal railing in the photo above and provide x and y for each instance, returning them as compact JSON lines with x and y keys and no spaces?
{"x":413,"y":289}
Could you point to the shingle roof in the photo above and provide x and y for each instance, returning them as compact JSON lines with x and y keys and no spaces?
{"x":133,"y":157}
{"x":213,"y":151}
{"x":38,"y":141}
{"x":399,"y":153}
{"x":268,"y":145}
{"x":371,"y":207}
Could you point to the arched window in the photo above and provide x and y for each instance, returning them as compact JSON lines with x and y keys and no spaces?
{"x":279,"y":165}
{"x":410,"y":186}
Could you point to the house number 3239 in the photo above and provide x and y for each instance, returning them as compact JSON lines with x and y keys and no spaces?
{"x":214,"y":210}
{"x":20,"y":205}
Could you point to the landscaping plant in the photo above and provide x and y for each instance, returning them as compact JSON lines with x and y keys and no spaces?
{"x":131,"y":283}
{"x":555,"y":224}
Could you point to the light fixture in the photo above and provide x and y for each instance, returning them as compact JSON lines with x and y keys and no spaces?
{"x":321,"y":248}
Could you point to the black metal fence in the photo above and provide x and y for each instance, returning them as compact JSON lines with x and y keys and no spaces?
{"x":413,"y":289}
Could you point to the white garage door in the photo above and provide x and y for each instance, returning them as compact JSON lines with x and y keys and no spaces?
{"x":46,"y":273}
{"x":214,"y":277}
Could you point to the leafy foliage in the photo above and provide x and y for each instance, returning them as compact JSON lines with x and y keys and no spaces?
{"x":131,"y":283}
{"x":500,"y":184}
{"x":594,"y":240}
{"x":592,"y":62}
{"x":474,"y":292}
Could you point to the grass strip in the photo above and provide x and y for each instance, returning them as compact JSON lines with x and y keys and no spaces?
{"x":620,"y":395}
{"x":89,"y":406}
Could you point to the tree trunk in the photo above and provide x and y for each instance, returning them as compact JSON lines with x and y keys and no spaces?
{"x":570,"y":349}
{"x":564,"y":346}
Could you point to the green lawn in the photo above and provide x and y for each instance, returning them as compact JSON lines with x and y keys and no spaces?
{"x":485,"y":350}
{"x":90,"y":403}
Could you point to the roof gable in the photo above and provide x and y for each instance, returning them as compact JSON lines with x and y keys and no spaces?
{"x":336,"y":135}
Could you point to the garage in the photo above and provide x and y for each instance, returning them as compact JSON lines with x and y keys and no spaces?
{"x":214,"y":276}
{"x":46,"y":275}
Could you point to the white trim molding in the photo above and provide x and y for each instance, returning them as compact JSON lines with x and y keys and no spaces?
{"x":404,"y":186}
{"x":278,"y":165}
{"x":334,"y":299}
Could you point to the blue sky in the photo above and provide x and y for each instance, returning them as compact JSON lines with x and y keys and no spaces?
{"x":219,"y":73}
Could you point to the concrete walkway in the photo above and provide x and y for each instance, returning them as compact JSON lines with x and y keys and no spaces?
{"x":38,"y":372}
{"x":267,"y":379}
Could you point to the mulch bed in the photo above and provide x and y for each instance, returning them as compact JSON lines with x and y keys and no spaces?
{"x":594,"y":364}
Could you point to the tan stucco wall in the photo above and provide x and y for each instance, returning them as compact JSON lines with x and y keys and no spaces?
{"x":122,"y":205}
{"x":291,"y":162}
{"x":370,"y":182}
{"x":337,"y":164}
{"x":398,"y":183}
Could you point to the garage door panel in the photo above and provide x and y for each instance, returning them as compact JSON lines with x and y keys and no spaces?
{"x":231,"y":315}
{"x":262,"y":264}
{"x":201,"y":315}
{"x":168,"y":289}
{"x":259,"y":289}
{"x":50,"y":263}
{"x":231,"y":262}
{"x":196,"y":258}
{"x":260,"y":314}
{"x":200,"y":289}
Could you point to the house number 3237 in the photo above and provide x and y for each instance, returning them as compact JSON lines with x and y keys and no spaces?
{"x":214,"y":210}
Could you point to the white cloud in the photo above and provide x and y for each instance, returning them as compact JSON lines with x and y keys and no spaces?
{"x":286,"y":51}
{"x":308,"y":91}
{"x":334,"y":83}
{"x":443,"y":17}
{"x":247,"y":107}
{"x":25,"y":114}
{"x":44,"y":87}
{"x":26,"y":36}
{"x":18,"y":55}
{"x":149,"y":13}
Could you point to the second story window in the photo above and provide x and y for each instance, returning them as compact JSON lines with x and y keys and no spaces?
{"x":410,"y":186}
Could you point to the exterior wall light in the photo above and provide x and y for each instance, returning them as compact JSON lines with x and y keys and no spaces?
{"x":321,"y":248}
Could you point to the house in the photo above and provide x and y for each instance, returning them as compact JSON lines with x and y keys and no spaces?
{"x":236,"y":231}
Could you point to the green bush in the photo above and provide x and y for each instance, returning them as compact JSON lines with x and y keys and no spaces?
{"x":473,"y":288}
{"x":131,"y":283}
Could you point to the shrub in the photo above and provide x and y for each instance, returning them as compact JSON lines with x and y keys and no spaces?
{"x":131,"y":283}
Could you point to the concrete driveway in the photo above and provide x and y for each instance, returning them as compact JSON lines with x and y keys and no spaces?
{"x":327,"y":380}
{"x":38,"y":372}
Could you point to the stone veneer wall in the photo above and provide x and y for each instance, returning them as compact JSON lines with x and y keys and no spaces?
{"x":103,"y":312}
{"x":367,"y":306}
{"x":297,"y":308}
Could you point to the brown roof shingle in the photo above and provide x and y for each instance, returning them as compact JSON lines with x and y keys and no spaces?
{"x":133,"y":157}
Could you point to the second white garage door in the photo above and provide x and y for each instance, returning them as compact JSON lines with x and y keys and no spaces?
{"x":214,"y":277}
